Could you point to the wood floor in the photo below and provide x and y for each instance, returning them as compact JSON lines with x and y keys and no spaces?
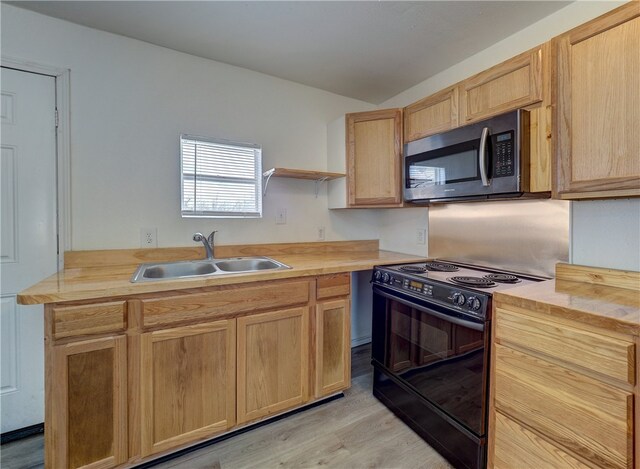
{"x":352,"y":432}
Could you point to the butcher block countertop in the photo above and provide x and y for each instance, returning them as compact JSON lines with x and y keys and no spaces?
{"x":603,"y":298}
{"x":100,"y":274}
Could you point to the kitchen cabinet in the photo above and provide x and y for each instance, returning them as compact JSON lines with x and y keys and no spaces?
{"x":273,"y":363}
{"x":374,"y":158}
{"x":431,"y":115}
{"x":562,"y":392}
{"x":333,"y":334}
{"x":512,"y":84}
{"x":86,"y":405}
{"x":132,"y":377}
{"x":597,"y":83}
{"x":188,"y":384}
{"x":520,"y":82}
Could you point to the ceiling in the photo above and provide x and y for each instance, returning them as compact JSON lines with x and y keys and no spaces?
{"x":361,"y":49}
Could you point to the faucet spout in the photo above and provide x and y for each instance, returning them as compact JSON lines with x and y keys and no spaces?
{"x":207,"y":242}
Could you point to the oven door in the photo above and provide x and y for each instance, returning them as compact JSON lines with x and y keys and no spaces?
{"x":442,"y":358}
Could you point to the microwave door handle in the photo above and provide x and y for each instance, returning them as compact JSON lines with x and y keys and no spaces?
{"x":482,"y":157}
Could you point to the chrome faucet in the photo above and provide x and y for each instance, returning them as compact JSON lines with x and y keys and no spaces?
{"x":208,"y":243}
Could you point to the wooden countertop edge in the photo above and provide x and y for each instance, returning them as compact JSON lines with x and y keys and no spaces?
{"x":31,"y":296}
{"x":546,"y":305}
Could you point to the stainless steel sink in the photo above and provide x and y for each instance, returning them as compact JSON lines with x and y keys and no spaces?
{"x":203,"y":268}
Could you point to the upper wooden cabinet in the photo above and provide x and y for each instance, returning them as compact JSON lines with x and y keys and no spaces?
{"x":433,"y":114}
{"x":513,"y":84}
{"x":597,"y":84}
{"x":374,"y":158}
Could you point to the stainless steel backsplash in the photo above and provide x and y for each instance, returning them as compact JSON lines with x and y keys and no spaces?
{"x":528,"y":236}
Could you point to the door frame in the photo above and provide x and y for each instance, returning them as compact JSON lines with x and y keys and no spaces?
{"x":63,"y":144}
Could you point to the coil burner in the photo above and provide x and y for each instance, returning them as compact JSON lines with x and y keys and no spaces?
{"x":441,"y":267}
{"x":416,"y":269}
{"x":476,"y":282}
{"x":502,"y":278}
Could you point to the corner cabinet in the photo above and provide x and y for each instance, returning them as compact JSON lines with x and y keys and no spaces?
{"x":598,"y":107}
{"x":374,"y":158}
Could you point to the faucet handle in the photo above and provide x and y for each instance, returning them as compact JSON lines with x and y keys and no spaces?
{"x":211,"y":236}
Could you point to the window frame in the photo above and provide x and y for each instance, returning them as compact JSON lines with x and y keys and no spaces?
{"x":257,"y":181}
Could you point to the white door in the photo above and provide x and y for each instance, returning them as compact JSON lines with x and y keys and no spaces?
{"x":28,"y":251}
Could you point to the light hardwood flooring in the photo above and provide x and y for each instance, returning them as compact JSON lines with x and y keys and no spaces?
{"x":352,"y":432}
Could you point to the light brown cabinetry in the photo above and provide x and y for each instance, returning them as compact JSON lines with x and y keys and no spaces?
{"x":597,"y":80}
{"x":512,"y":84}
{"x":187,"y":365}
{"x":374,"y":158}
{"x":188,"y":384}
{"x":431,"y":115}
{"x":86,"y":405}
{"x":562,"y":393}
{"x":273,"y":363}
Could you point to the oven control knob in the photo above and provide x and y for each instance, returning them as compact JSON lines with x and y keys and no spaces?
{"x":458,"y":299}
{"x":474,"y":303}
{"x":377,"y":275}
{"x":385,"y":277}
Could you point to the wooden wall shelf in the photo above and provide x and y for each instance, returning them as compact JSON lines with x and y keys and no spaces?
{"x":317,"y":176}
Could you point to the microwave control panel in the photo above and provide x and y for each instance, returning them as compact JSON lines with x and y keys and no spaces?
{"x":503,"y":154}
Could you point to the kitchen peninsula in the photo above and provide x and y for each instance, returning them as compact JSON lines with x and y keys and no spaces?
{"x":134,"y":371}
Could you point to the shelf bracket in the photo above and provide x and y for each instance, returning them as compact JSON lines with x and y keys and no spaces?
{"x":318,"y":181}
{"x":265,"y":180}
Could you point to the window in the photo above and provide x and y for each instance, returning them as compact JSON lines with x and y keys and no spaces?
{"x":220,"y":179}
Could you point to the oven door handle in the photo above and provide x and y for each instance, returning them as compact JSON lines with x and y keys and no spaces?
{"x":482,"y":157}
{"x":425,"y":309}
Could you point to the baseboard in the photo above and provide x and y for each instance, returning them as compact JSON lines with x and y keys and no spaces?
{"x":21,"y":433}
{"x":360,"y":341}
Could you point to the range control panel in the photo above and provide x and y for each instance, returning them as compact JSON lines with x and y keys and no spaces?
{"x":444,"y":294}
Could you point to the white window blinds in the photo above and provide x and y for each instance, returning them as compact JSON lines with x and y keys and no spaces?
{"x":220,"y":178}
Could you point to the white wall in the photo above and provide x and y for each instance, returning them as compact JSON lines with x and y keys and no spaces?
{"x":606,"y":233}
{"x":130,"y":101}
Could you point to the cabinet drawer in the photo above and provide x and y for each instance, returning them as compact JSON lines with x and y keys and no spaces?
{"x":99,"y":318}
{"x":581,"y":414}
{"x":222,"y":302}
{"x":333,"y":285}
{"x":515,"y":446}
{"x":609,"y":356}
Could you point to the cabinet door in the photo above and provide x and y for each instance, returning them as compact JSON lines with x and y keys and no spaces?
{"x":433,"y":114}
{"x":513,"y":84}
{"x":187,"y":384}
{"x":598,"y":107}
{"x":273,"y":362}
{"x":374,"y":158}
{"x":333,"y":346}
{"x":86,"y":414}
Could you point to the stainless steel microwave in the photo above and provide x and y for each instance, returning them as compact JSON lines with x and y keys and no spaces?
{"x":486,"y":160}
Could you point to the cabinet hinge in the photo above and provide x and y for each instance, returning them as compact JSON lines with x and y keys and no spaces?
{"x":57,"y":117}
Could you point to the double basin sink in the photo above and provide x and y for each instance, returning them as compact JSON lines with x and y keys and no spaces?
{"x":204,"y":268}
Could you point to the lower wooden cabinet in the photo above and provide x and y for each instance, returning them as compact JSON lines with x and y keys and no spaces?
{"x":86,"y":406}
{"x":333,"y":351}
{"x":187,"y":384}
{"x":131,"y":378}
{"x":562,"y":394}
{"x":273,"y":362}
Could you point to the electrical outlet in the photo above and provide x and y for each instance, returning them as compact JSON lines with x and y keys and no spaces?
{"x":281,"y":216}
{"x":321,"y":233}
{"x":148,"y":237}
{"x":421,"y":236}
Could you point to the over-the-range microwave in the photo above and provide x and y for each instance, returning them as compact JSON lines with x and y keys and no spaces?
{"x":485,"y":160}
